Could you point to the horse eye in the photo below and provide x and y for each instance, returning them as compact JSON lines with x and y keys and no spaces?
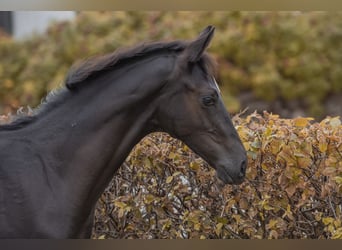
{"x":208,"y":101}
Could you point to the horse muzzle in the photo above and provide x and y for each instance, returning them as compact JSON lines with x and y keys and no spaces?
{"x":232,"y":176}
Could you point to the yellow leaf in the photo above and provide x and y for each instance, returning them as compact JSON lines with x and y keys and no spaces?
{"x":242,"y":133}
{"x":194,"y":165}
{"x":237,"y":217}
{"x":246,"y":146}
{"x":301,"y":121}
{"x":272,"y":224}
{"x":166,"y":225}
{"x":121,"y":213}
{"x":268,"y":207}
{"x":101,"y":237}
{"x":268,"y":132}
{"x":197,"y":226}
{"x":120,"y":204}
{"x":262,"y":217}
{"x":335,"y":122}
{"x":337,"y":234}
{"x":276,"y":146}
{"x":264,"y":166}
{"x":169,"y":179}
{"x":218,"y":229}
{"x":149,"y":198}
{"x":337,"y":223}
{"x":338,"y":180}
{"x":148,"y":163}
{"x":172,"y":155}
{"x":318,"y":216}
{"x":288,"y":213}
{"x":323,"y":146}
{"x":327,"y":220}
{"x":176,"y":173}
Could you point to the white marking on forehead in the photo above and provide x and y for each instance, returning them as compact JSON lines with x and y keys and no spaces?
{"x":217,"y":85}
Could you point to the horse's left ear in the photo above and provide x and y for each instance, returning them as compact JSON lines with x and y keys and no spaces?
{"x":195,"y":49}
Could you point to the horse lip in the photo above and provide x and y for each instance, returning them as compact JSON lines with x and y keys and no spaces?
{"x":226,"y":178}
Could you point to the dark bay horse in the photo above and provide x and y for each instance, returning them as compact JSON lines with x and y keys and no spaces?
{"x":55,"y":164}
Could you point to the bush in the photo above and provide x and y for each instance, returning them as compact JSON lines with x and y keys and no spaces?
{"x":288,"y":60}
{"x":293,"y":187}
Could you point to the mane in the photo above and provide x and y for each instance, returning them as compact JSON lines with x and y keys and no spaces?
{"x":87,"y":69}
{"x":92,"y":67}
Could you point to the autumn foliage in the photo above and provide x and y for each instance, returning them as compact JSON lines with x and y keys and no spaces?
{"x":293,"y":187}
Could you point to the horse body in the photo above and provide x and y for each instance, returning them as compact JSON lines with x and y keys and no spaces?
{"x":55,"y":165}
{"x":42,"y":159}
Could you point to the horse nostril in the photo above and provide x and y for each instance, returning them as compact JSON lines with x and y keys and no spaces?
{"x":243,"y":168}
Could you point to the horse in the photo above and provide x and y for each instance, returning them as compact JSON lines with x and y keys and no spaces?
{"x":55,"y":163}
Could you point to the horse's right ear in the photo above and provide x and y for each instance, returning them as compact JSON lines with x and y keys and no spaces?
{"x":196,"y":48}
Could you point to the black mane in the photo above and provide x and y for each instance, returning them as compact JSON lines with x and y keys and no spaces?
{"x":95,"y":65}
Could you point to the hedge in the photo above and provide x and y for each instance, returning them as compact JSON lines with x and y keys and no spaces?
{"x":288,"y":61}
{"x":293,"y":188}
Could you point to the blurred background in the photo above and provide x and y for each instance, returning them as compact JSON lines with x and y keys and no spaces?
{"x":288,"y":63}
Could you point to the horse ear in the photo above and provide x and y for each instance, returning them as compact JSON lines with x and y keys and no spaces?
{"x":196,"y":48}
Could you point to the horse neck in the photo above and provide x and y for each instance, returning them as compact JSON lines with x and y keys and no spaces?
{"x":98,"y":128}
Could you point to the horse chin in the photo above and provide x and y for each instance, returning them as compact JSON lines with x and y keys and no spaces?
{"x":224,"y":178}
